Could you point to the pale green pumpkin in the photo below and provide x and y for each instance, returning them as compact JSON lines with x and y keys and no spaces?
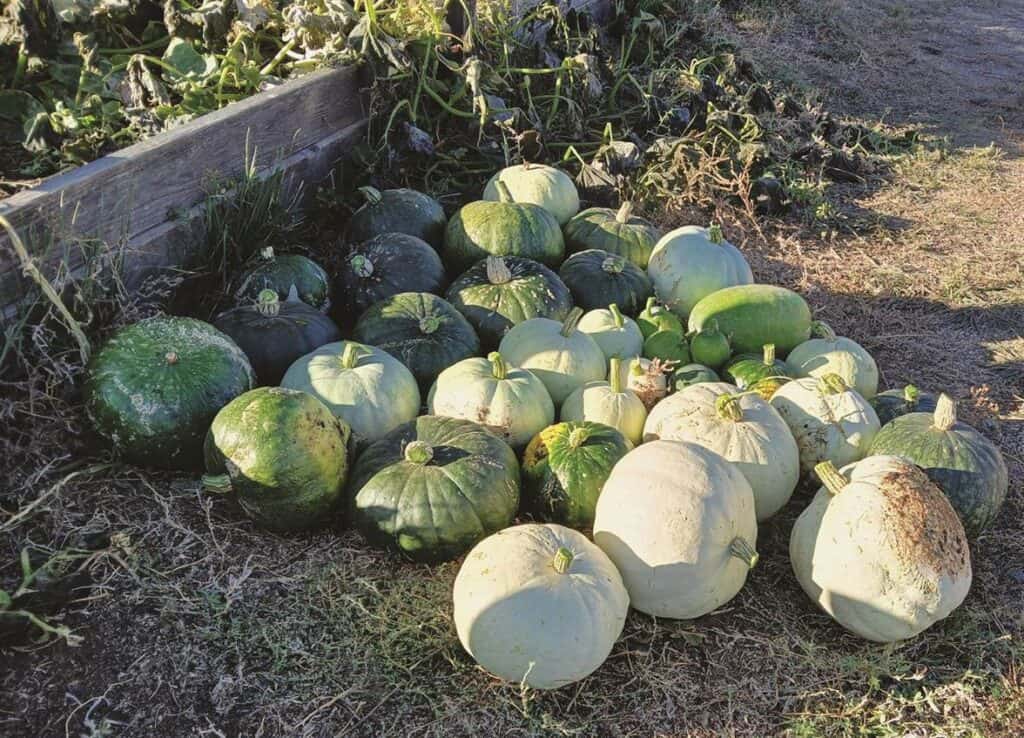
{"x":538,"y":184}
{"x":611,"y":403}
{"x":616,"y":334}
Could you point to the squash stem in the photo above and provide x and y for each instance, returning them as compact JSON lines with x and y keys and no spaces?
{"x":744,"y":551}
{"x":372,"y":194}
{"x":945,"y":413}
{"x":715,"y":233}
{"x":578,"y":436}
{"x":911,"y":394}
{"x":625,"y":210}
{"x":218,"y":484}
{"x":171,"y":358}
{"x":350,"y":355}
{"x":419,"y":452}
{"x":616,"y":315}
{"x":831,"y":477}
{"x":613,"y":264}
{"x":429,"y":323}
{"x":498,"y":366}
{"x":652,"y":301}
{"x":562,"y":561}
{"x":614,"y":378}
{"x":267,"y":303}
{"x":504,"y":193}
{"x":832,"y":384}
{"x":821,"y":329}
{"x":571,"y":322}
{"x":361,"y":265}
{"x":498,"y":271}
{"x":769,"y":354}
{"x":728,"y":407}
{"x":267,"y":254}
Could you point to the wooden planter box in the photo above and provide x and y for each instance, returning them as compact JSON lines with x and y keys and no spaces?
{"x":145,"y":201}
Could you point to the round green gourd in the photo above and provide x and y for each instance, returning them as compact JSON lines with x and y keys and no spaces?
{"x":538,"y":184}
{"x":896,"y":402}
{"x":616,"y":334}
{"x":500,"y":292}
{"x":520,"y":598}
{"x":597,"y":278}
{"x":564,"y":468}
{"x":709,"y":346}
{"x":371,"y":390}
{"x":421,"y":330}
{"x":273,"y":334}
{"x":691,"y":262}
{"x":502,"y":228}
{"x":880,"y":549}
{"x":397,"y":211}
{"x":611,"y":403}
{"x":381,"y":267}
{"x":746,"y":370}
{"x":655,"y":317}
{"x":153,"y":389}
{"x":827,"y":353}
{"x":292,"y":276}
{"x":561,"y":356}
{"x":667,"y":346}
{"x":691,"y":374}
{"x":615,"y":231}
{"x":510,"y":402}
{"x":965,"y":465}
{"x":282,"y":453}
{"x":434,"y":487}
{"x":755,"y":314}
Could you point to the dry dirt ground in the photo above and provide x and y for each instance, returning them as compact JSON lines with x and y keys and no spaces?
{"x":199,"y":625}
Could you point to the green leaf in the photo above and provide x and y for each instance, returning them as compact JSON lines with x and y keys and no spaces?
{"x":189,"y":63}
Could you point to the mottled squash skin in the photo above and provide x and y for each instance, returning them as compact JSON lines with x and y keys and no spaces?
{"x":615,"y":231}
{"x":597,"y":279}
{"x":291,"y":276}
{"x":397,"y":211}
{"x":484,"y":228}
{"x":155,"y":387}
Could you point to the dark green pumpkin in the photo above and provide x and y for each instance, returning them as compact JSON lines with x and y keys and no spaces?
{"x":615,"y":231}
{"x":397,"y":211}
{"x":291,"y":276}
{"x":961,"y":461}
{"x":597,"y":278}
{"x":709,"y":346}
{"x":896,"y":402}
{"x":500,"y":292}
{"x":283,"y":453}
{"x":273,"y":334}
{"x":421,"y":330}
{"x":746,"y":370}
{"x":689,"y":374}
{"x":655,"y":317}
{"x":434,"y":487}
{"x":383,"y":266}
{"x":155,"y":387}
{"x":503,"y":228}
{"x":564,"y":468}
{"x":667,"y":346}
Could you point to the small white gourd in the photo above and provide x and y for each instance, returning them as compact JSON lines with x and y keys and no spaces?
{"x":608,"y":402}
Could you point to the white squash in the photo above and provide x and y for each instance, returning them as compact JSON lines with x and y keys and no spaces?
{"x":827,"y":353}
{"x":539,"y":184}
{"x":562,"y":357}
{"x":616,"y":334}
{"x":829,"y":421}
{"x":881,"y":549}
{"x":678,"y":521}
{"x":366,"y":387}
{"x":539,"y":605}
{"x":511,"y":402}
{"x":608,"y":402}
{"x":690,"y":263}
{"x":742,"y":428}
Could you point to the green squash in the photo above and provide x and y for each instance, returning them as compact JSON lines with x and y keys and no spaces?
{"x":282,"y":453}
{"x":755,"y":314}
{"x":397,"y":211}
{"x":668,"y":346}
{"x":502,"y":228}
{"x":827,"y":353}
{"x":500,"y":292}
{"x":421,"y":330}
{"x":434,"y":487}
{"x":768,"y":386}
{"x":597,"y":278}
{"x":274,"y":334}
{"x":615,"y":231}
{"x":690,"y":374}
{"x":562,"y":356}
{"x":690,"y":263}
{"x":896,"y":402}
{"x":371,"y":390}
{"x":655,"y":317}
{"x":709,"y":346}
{"x":564,"y":468}
{"x":292,"y":276}
{"x":155,"y":387}
{"x":617,"y":335}
{"x":964,"y":464}
{"x":539,"y":184}
{"x":385,"y":265}
{"x":746,"y":370}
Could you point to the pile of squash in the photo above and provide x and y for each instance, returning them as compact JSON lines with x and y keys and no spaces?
{"x":635,"y":394}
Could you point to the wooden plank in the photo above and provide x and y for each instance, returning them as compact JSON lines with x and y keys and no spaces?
{"x":133,"y":190}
